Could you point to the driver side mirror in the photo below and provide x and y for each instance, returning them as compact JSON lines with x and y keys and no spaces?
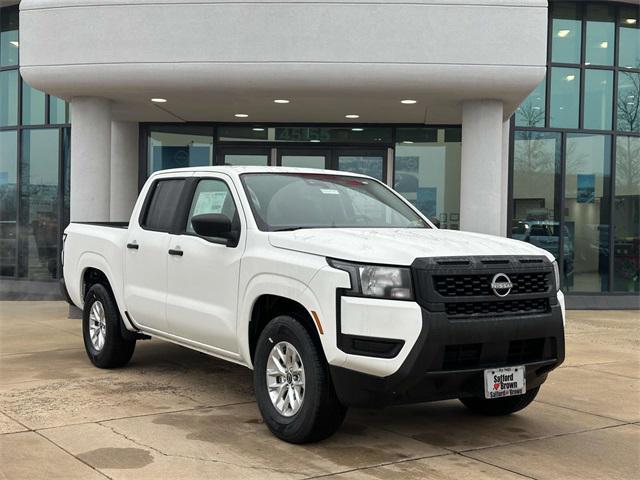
{"x":435,"y":221}
{"x":214,"y":225}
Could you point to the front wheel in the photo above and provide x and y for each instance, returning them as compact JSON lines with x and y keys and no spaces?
{"x":500,"y":406}
{"x":293,"y":386}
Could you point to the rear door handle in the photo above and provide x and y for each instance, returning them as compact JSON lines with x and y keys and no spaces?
{"x":176,"y":252}
{"x":133,"y":246}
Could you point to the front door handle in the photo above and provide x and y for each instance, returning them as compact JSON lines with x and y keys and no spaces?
{"x":133,"y":246}
{"x":176,"y":252}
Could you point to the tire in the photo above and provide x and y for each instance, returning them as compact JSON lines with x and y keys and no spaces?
{"x":320,"y":413}
{"x":500,"y":406}
{"x":114,"y":351}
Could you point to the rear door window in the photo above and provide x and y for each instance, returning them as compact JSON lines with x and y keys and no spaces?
{"x":161,"y":210}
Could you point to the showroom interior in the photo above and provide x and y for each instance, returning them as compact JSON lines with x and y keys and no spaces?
{"x":570,"y":183}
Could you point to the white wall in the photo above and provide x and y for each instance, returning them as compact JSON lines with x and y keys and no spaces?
{"x":213,"y":58}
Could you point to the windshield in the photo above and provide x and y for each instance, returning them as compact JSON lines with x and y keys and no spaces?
{"x":289,"y":201}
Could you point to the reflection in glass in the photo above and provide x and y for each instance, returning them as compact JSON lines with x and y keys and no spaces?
{"x":588,"y":164}
{"x":566,"y":33}
{"x":179,"y":146}
{"x":427,"y":173}
{"x":626,"y":233}
{"x":628,"y":101}
{"x":249,"y":159}
{"x":600,"y":38}
{"x":32,"y":105}
{"x":372,"y":165}
{"x":9,"y":42}
{"x":598,"y":96}
{"x":304,"y":161}
{"x":565,"y":95}
{"x":39,"y":207}
{"x":8,"y":98}
{"x":531,"y":112}
{"x":8,"y":201}
{"x":58,"y":111}
{"x":536,"y":192}
{"x":629,"y":52}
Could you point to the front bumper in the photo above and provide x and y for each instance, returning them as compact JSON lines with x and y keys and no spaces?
{"x":449,"y":357}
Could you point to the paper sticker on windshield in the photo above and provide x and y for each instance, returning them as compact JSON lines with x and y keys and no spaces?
{"x":329,"y":191}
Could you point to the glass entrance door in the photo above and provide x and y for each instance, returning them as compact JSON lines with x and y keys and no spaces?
{"x":243,"y":156}
{"x":370,"y":162}
{"x":304,"y":158}
{"x":367,"y":162}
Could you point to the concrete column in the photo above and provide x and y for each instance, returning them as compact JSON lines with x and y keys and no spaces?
{"x":90,"y":159}
{"x":482,"y":175}
{"x":124,"y":169}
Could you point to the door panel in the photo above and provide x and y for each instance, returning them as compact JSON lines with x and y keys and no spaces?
{"x":145,"y":280}
{"x":145,"y":286}
{"x":203,"y":281}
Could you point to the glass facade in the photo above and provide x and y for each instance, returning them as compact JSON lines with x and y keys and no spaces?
{"x":575,"y":167}
{"x":422,"y":163}
{"x":34,"y":168}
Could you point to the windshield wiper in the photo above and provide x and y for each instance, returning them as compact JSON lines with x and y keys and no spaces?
{"x":289,"y":229}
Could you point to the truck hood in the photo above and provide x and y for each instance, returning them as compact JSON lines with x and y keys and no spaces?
{"x":398,"y":246}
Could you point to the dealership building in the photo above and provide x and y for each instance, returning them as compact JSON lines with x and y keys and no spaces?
{"x":518,"y":118}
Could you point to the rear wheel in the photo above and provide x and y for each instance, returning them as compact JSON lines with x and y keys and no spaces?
{"x":500,"y":406}
{"x":103,"y":341}
{"x":292,"y":383}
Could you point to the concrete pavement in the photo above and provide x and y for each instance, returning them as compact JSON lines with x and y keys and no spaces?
{"x":174,"y":413}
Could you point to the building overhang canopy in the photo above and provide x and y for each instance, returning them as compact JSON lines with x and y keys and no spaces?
{"x":214,"y":59}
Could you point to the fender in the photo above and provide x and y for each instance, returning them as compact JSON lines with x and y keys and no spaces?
{"x":283,"y":286}
{"x":99,"y":262}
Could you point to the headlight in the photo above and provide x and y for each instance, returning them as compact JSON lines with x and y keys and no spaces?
{"x":556,"y":274}
{"x":377,"y":281}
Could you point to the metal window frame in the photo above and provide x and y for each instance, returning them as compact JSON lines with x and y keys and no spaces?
{"x":19,"y":267}
{"x":613,"y":133}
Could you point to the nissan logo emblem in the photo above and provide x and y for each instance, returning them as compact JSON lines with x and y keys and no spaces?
{"x":501,"y":285}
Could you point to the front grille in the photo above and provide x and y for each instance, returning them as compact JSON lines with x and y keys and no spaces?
{"x":475,"y":355}
{"x":458,"y":357}
{"x":480,"y":284}
{"x":528,"y":306}
{"x":523,"y":351}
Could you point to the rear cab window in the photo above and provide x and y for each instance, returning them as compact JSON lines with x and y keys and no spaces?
{"x":160,"y":210}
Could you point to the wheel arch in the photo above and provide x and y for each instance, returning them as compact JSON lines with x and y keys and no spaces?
{"x":268,"y":306}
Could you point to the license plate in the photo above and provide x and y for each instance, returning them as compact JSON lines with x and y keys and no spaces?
{"x":504,"y":382}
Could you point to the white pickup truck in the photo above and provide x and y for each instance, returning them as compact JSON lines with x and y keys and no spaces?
{"x":334,"y":289}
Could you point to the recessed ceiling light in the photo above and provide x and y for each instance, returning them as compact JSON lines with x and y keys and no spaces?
{"x":241,"y":115}
{"x":357,"y":129}
{"x":315,"y":140}
{"x":352,"y":115}
{"x":631,"y":21}
{"x":258,"y":129}
{"x":281,"y":100}
{"x":15,"y":43}
{"x":563,"y":33}
{"x":570,"y":78}
{"x":159,"y":100}
{"x":408,"y":101}
{"x":407,"y":141}
{"x":604,"y":44}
